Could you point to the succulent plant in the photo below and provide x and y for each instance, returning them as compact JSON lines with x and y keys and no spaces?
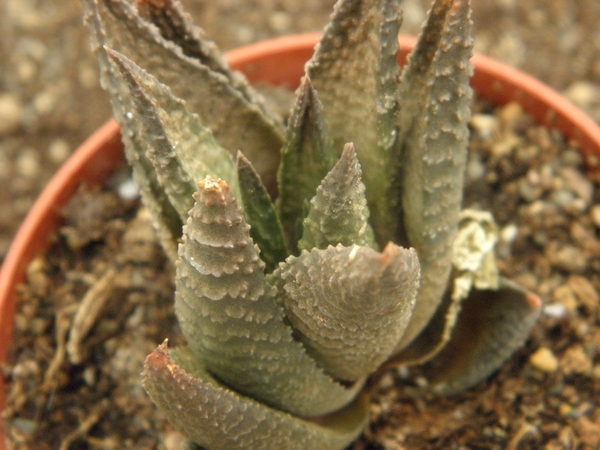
{"x":363,"y":260}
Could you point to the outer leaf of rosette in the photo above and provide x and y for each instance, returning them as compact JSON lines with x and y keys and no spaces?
{"x":476,"y":336}
{"x":216,"y":417}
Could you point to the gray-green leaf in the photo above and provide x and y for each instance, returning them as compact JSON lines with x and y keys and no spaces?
{"x":339,"y":213}
{"x":231,"y":320}
{"x":306,"y":158}
{"x":265,"y":228}
{"x":214,"y":416}
{"x":433,"y":148}
{"x":237,"y":121}
{"x":182,"y":151}
{"x":355,"y":72}
{"x":491,"y":325}
{"x":350,"y":305}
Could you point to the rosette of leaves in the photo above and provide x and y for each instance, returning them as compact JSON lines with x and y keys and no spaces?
{"x":363,"y":259}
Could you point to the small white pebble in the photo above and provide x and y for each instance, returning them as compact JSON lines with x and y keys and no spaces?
{"x":577,"y":183}
{"x":583,"y":93}
{"x":174,"y":440}
{"x":245,"y":34}
{"x":557,"y":310}
{"x":403,"y":372}
{"x":421,"y":382}
{"x":484,"y":124}
{"x":475,"y":169}
{"x":128,"y":190}
{"x":89,"y":376}
{"x":563,"y":197}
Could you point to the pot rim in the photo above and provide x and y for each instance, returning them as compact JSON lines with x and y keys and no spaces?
{"x":102,"y":152}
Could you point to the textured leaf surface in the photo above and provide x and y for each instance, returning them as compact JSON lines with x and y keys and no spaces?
{"x":182,"y":151}
{"x":355,"y":72}
{"x":339,"y":213}
{"x":231,"y":320}
{"x":175,"y":25}
{"x":166,"y":219}
{"x":490,"y":327}
{"x":306,"y":158}
{"x":433,"y":147}
{"x":237,"y":122}
{"x":265,"y":228}
{"x":215,"y":417}
{"x":350,"y":304}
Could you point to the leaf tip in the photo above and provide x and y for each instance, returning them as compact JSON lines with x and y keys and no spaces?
{"x":157,"y":360}
{"x":534,"y":301}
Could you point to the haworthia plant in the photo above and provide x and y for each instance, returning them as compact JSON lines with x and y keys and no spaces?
{"x":363,"y":259}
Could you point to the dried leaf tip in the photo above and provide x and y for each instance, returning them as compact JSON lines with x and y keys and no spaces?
{"x":158,"y":358}
{"x":213,"y":191}
{"x":213,"y":185}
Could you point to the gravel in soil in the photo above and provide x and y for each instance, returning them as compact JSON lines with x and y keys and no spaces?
{"x":74,"y":384}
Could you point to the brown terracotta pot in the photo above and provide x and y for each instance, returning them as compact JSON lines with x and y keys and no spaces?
{"x":279,"y":61}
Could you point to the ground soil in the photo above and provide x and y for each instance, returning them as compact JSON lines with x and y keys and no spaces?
{"x":545,"y":397}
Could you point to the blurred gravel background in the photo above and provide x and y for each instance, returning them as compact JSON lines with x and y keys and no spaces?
{"x":50,"y":100}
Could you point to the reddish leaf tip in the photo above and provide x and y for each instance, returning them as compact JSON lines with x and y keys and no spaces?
{"x":534,"y":301}
{"x":159,"y":358}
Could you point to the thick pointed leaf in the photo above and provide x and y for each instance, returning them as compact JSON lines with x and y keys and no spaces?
{"x":350,"y":305}
{"x":182,"y":151}
{"x":433,"y":142}
{"x":306,"y":158}
{"x":167,"y":221}
{"x":433,"y":338}
{"x":355,"y":72}
{"x":231,"y":320}
{"x":491,"y":325}
{"x":237,"y":122}
{"x":265,"y":228}
{"x":175,"y":25}
{"x":216,"y":417}
{"x":339,"y":213}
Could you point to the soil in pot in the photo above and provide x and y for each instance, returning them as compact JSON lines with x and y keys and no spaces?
{"x":84,"y":393}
